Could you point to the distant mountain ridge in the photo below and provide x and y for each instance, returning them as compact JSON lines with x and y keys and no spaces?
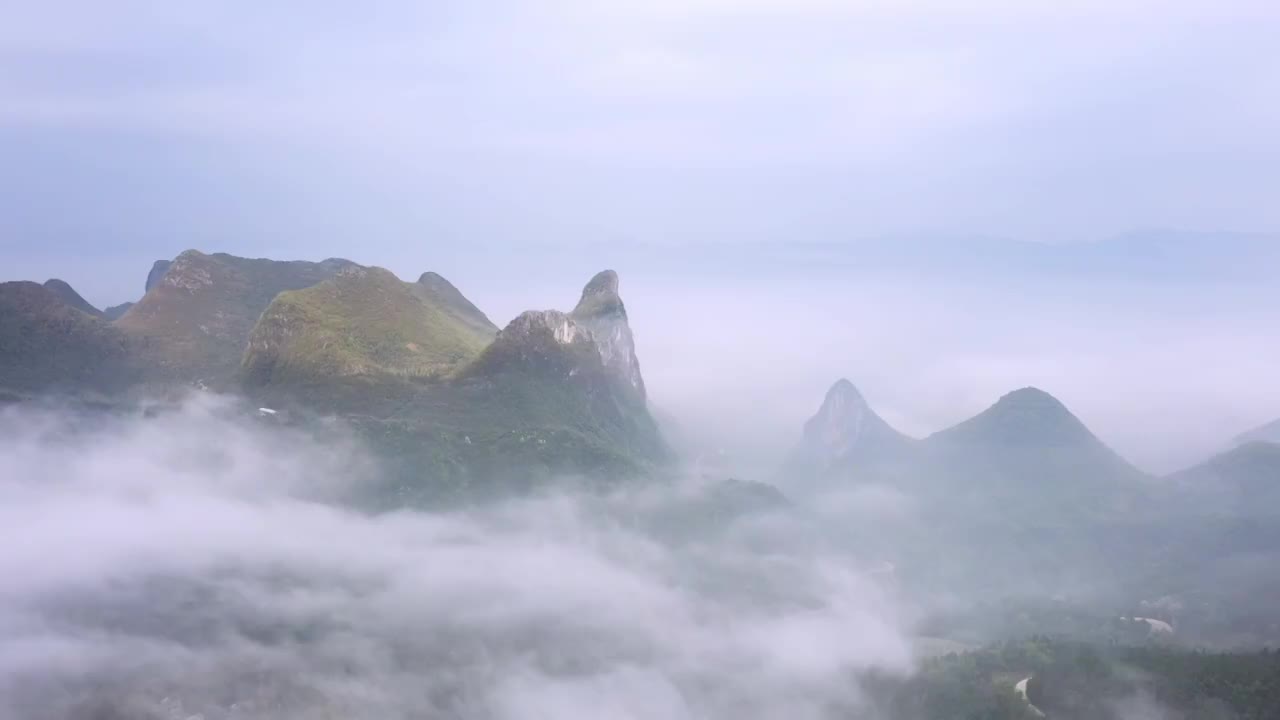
{"x":1026,"y":456}
{"x":453,"y":406}
{"x":196,"y":317}
{"x":1269,"y":432}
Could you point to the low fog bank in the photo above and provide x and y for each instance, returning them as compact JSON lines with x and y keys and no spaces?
{"x":199,"y":563}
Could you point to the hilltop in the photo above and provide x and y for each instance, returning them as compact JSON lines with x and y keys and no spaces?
{"x":47,"y":345}
{"x":365,"y":322}
{"x":845,"y":440}
{"x":194,"y":322}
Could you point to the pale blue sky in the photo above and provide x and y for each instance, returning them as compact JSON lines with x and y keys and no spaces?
{"x":467,"y":137}
{"x":313,"y":128}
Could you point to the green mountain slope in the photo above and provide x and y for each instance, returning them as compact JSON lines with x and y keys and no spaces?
{"x":364,"y":322}
{"x":194,"y":322}
{"x":464,"y":411}
{"x":435,"y":289}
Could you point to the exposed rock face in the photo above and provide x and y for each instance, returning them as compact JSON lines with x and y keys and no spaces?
{"x":602,"y":312}
{"x":157,"y":273}
{"x":68,"y":295}
{"x":195,"y":321}
{"x":543,"y":341}
{"x":844,"y":437}
{"x":845,"y":424}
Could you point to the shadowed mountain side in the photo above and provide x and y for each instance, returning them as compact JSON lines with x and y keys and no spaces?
{"x":1030,"y":456}
{"x":47,"y":345}
{"x":1242,"y":482}
{"x":158,"y":269}
{"x":115,"y":312}
{"x":68,"y":295}
{"x":194,"y":322}
{"x":1269,"y":432}
{"x":602,"y":312}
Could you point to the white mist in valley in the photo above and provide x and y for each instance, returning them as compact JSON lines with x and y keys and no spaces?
{"x":198,"y":562}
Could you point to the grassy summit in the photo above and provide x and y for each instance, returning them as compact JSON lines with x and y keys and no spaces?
{"x":365,"y":322}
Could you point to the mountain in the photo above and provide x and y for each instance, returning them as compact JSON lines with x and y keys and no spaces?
{"x":1241,"y":482}
{"x":1264,"y":433}
{"x":602,"y":312}
{"x":1029,"y":452}
{"x":47,"y":345}
{"x":444,"y":295}
{"x":846,"y":439}
{"x":115,"y":312}
{"x":158,"y":269}
{"x":1028,"y":418}
{"x":194,"y":322}
{"x":454,"y":408}
{"x":365,"y":322}
{"x":68,"y":295}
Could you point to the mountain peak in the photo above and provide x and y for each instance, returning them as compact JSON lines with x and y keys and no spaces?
{"x":600,"y":296}
{"x":602,"y":312}
{"x":1027,"y":416}
{"x":843,"y":391}
{"x":845,"y":428}
{"x":1030,"y":396}
{"x":451,"y":299}
{"x":67,"y":294}
{"x":844,"y":419}
{"x":158,"y":269}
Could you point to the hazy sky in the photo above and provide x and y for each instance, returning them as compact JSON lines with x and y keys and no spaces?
{"x":311,"y":128}
{"x":462,"y":137}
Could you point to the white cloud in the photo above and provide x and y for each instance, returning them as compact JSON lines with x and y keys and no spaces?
{"x":191,"y":564}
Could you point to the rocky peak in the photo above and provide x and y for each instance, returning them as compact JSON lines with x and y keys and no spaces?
{"x":546,"y":342}
{"x":545,"y":323}
{"x":845,"y":422}
{"x":158,"y":269}
{"x":602,"y":312}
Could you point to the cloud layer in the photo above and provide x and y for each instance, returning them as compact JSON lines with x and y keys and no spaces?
{"x":195,"y":565}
